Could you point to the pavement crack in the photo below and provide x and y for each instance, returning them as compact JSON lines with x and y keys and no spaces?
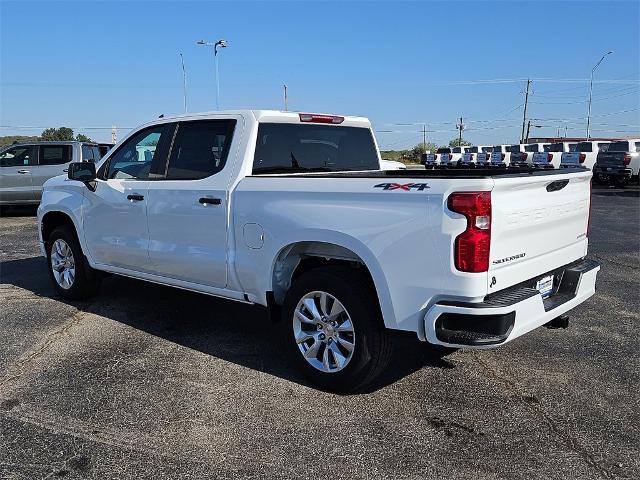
{"x":532,"y":403}
{"x":19,"y":367}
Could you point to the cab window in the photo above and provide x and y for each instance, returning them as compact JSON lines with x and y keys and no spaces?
{"x":17,"y":157}
{"x":141,"y":157}
{"x":199,"y":149}
{"x":55,"y":154}
{"x":90,"y":153}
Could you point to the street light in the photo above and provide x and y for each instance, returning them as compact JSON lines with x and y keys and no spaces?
{"x":219,"y":44}
{"x":591,"y":90}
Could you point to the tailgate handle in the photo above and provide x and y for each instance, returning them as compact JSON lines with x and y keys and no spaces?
{"x":557,"y":185}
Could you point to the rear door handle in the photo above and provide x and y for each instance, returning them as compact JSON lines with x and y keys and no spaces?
{"x":22,"y":172}
{"x":210,"y":201}
{"x":135,"y":197}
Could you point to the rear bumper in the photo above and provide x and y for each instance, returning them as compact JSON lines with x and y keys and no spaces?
{"x":506,"y":315}
{"x":612,"y":170}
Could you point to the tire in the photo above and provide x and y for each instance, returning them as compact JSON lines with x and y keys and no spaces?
{"x":334,"y":367}
{"x":73,"y":278}
{"x":601,"y":178}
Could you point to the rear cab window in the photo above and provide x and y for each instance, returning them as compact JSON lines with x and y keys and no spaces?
{"x":443,"y":150}
{"x":531,"y":148}
{"x":618,"y":147}
{"x":554,"y":147}
{"x":298,"y":148}
{"x":583,"y":147}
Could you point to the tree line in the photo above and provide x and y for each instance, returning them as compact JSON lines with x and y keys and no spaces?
{"x":48,"y":134}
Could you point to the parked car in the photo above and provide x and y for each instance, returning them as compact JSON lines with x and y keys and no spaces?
{"x":620,"y":163}
{"x":386,"y":164}
{"x":551,"y":156}
{"x":518,"y":155}
{"x":500,"y":155}
{"x":292,"y":212}
{"x":477,"y":154}
{"x":531,"y":148}
{"x":456,"y":155}
{"x":582,"y":153}
{"x":25,"y":167}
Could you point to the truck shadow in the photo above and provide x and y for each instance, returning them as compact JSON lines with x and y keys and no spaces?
{"x":234,"y":332}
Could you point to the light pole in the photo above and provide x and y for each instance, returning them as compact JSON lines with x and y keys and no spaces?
{"x":591,"y":90}
{"x":219,"y":44}
{"x":184,"y":83}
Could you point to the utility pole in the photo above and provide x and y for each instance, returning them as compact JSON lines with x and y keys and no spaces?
{"x":424,"y":137}
{"x":114,"y":134}
{"x":285,"y":97}
{"x":528,"y":130}
{"x":460,"y":127}
{"x":524,"y":115}
{"x":184,"y":83}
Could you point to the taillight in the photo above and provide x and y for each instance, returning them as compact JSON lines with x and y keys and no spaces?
{"x":582,"y":158}
{"x":549,"y":157}
{"x":502,"y":156}
{"x":471,"y":157}
{"x":627,"y":159}
{"x":523,"y":156}
{"x":471,"y":250}
{"x":317,"y":118}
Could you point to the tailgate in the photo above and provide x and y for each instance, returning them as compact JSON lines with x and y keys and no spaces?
{"x":611,"y":159}
{"x":538,"y":223}
{"x":570,"y":158}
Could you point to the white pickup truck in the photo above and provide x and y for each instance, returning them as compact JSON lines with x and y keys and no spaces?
{"x":290,"y":211}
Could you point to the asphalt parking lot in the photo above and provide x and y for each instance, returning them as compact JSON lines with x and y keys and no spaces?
{"x":150,"y":382}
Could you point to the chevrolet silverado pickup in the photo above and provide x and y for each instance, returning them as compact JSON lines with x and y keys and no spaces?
{"x":292,"y":212}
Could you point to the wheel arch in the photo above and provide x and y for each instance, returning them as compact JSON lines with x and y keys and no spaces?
{"x":301,"y":256}
{"x":52,"y":220}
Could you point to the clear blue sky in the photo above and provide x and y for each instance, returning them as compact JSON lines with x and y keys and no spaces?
{"x":97,"y":64}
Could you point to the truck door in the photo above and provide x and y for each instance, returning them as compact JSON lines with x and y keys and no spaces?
{"x":188,"y":208}
{"x":15,"y":174}
{"x":115,"y":214}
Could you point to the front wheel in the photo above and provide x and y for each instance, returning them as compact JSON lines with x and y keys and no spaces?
{"x":333,"y":329}
{"x":72,"y":277}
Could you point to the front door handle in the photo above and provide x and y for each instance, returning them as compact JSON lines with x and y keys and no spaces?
{"x":210,"y":201}
{"x":135,"y":197}
{"x":22,"y":172}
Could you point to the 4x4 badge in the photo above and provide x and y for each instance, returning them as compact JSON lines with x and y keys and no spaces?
{"x":407,"y":187}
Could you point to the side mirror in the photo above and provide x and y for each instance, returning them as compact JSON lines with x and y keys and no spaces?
{"x":82,"y":171}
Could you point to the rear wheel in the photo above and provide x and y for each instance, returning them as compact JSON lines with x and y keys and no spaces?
{"x":333,"y":330}
{"x":72,"y":277}
{"x":601,"y":178}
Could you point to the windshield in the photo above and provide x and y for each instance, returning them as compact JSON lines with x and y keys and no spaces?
{"x":295,"y":148}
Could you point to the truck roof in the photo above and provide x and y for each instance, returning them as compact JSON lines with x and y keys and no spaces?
{"x":273,"y":116}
